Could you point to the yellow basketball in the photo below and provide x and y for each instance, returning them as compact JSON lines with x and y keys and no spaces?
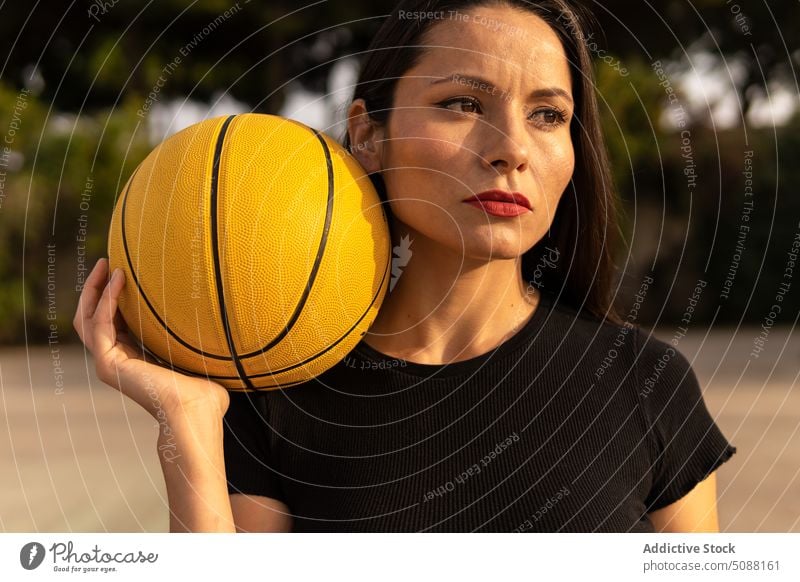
{"x":255,"y":249}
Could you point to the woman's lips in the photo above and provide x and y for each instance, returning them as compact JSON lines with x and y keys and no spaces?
{"x":500,"y":203}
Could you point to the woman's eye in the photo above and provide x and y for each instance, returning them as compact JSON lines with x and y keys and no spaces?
{"x":466,"y":105}
{"x":551,"y":116}
{"x":548,"y":118}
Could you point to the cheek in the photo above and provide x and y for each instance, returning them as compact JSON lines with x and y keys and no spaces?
{"x":423,"y":166}
{"x":560,"y":168}
{"x":421,"y":149}
{"x":552,"y":174}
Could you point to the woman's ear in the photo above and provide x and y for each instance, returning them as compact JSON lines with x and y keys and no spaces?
{"x":366,"y":138}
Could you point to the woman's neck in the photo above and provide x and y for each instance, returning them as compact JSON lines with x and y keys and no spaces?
{"x":446,"y":307}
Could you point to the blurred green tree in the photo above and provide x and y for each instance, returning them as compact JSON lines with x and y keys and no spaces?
{"x":85,"y":72}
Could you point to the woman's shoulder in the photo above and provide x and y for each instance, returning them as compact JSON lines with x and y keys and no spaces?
{"x":577,"y":322}
{"x":579,"y":318}
{"x":656,"y":355}
{"x":578,"y":328}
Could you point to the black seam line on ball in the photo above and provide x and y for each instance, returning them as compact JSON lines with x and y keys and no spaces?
{"x":320,"y":253}
{"x":383,"y":284}
{"x":194,"y":374}
{"x":347,"y":333}
{"x":142,"y":294}
{"x":213,"y":201}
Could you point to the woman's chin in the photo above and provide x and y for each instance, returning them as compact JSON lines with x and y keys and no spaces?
{"x":495,"y":246}
{"x":492,"y":252}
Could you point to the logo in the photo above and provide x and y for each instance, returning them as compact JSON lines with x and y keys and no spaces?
{"x":31,"y":555}
{"x":403,"y":254}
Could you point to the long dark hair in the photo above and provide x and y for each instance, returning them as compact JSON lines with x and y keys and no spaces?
{"x":584,"y":232}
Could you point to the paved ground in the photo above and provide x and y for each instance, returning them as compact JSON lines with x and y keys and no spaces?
{"x":82,"y":458}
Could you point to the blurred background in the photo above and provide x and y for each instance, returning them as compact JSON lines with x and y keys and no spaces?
{"x":701,"y":110}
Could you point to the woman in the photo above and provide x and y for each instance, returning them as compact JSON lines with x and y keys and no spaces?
{"x":477,"y":401}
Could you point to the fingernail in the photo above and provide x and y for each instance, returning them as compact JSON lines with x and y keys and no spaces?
{"x":116,"y":274}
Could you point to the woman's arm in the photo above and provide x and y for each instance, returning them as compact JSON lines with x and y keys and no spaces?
{"x":694,"y":512}
{"x":191,"y":455}
{"x":256,"y":513}
{"x":189,"y":410}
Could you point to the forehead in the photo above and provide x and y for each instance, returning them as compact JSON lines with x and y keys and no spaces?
{"x":498,"y":38}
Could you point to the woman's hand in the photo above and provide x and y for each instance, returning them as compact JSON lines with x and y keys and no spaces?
{"x":120,"y":362}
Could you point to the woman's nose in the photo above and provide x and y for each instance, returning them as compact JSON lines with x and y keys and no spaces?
{"x":506,"y":142}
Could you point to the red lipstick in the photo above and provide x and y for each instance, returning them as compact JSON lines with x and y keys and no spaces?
{"x":500,"y":203}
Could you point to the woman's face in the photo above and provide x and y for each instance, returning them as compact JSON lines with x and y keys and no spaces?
{"x":487,"y":107}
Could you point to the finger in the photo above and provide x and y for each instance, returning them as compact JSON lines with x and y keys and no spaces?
{"x":130,"y":346}
{"x":87,"y":302}
{"x":121,"y":325}
{"x":119,"y":322}
{"x":124,"y":335}
{"x":104,"y":332}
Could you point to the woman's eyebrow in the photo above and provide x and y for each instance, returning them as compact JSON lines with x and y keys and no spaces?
{"x":477,"y":82}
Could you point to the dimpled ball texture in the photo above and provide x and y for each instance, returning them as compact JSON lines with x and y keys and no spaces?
{"x":255,"y":249}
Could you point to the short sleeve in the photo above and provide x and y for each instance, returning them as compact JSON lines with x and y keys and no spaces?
{"x":690,"y":445}
{"x":246,"y":441}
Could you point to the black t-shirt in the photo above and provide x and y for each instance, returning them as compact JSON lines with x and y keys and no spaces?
{"x":571,"y":425}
